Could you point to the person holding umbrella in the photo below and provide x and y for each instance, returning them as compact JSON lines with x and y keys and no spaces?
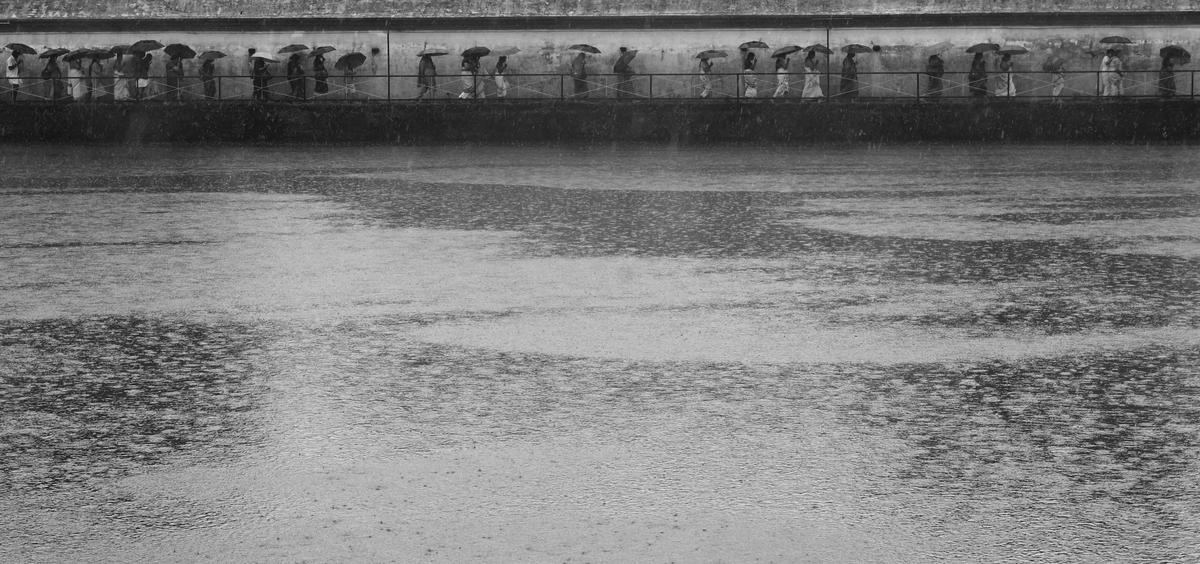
{"x":579,"y":74}
{"x":12,"y":71}
{"x":320,"y":73}
{"x":749,"y":65}
{"x":849,"y":83}
{"x":1111,"y":73}
{"x":706,"y":66}
{"x":1166,"y":77}
{"x":1005,"y":86}
{"x":812,"y":76}
{"x":261,"y":76}
{"x":295,"y":76}
{"x":52,"y":74}
{"x":935,"y":69}
{"x":470,"y":77}
{"x":782,"y":60}
{"x":1058,"y":79}
{"x":624,"y":72}
{"x":208,"y":79}
{"x":174,"y":76}
{"x":977,"y":77}
{"x":95,"y":71}
{"x":426,"y":77}
{"x":143,"y":74}
{"x":498,"y":76}
{"x":76,"y":85}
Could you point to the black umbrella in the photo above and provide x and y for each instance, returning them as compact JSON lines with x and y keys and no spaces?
{"x":627,"y":56}
{"x":1013,"y":51}
{"x":1116,"y":39}
{"x":856,"y":48}
{"x":179,"y":50}
{"x":350,"y":61}
{"x":145,"y":46}
{"x":786,"y":50}
{"x":58,"y":52}
{"x":1176,"y":52}
{"x":211,"y":55}
{"x":584,"y":47}
{"x":119,"y":49}
{"x":476,"y":52}
{"x":819,"y":48}
{"x":983,"y":48}
{"x":293,"y":48}
{"x":20,"y":48}
{"x":100,"y":54}
{"x":1054,"y":64}
{"x":753,"y":45}
{"x":322,"y":50}
{"x":712,"y":54}
{"x":77,"y":54}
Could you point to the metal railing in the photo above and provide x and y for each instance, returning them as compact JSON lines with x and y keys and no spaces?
{"x":723,"y":86}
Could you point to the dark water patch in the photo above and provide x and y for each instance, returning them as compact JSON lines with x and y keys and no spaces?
{"x":93,"y":397}
{"x":73,"y":244}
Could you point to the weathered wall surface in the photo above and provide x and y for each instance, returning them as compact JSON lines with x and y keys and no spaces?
{"x":467,"y":8}
{"x":980,"y":122}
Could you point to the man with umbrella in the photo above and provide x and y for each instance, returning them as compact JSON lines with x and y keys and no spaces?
{"x":426,"y":76}
{"x":261,"y":76}
{"x":12,"y":70}
{"x":579,"y":74}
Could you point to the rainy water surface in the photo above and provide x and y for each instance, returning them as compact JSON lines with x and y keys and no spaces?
{"x":600,"y":355}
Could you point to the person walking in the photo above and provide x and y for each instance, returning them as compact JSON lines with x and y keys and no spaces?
{"x":94,"y":74}
{"x":579,"y":74}
{"x":1058,"y":78}
{"x":706,"y":66}
{"x":849,"y":85}
{"x":624,"y":72}
{"x":76,"y":84}
{"x":781,"y":76}
{"x":426,"y":78}
{"x":261,"y":75}
{"x":1111,"y":73}
{"x":812,"y":76}
{"x":12,"y":71}
{"x":1166,"y":77}
{"x":749,"y":65}
{"x":1005,"y":86}
{"x":320,"y":74}
{"x":52,"y":75}
{"x":498,"y":75}
{"x":143,"y":75}
{"x":935,"y":69}
{"x":977,"y":77}
{"x":174,"y":77}
{"x":122,"y":74}
{"x":295,"y":77}
{"x":208,"y":73}
{"x":470,"y":78}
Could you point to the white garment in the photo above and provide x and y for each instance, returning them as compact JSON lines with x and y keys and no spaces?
{"x":501,"y":86}
{"x":812,"y":85}
{"x":120,"y":86}
{"x":1110,"y":77}
{"x":14,"y":75}
{"x":782,"y":81}
{"x":77,"y":84}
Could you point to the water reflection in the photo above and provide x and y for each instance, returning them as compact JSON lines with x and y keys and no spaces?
{"x":94,"y":397}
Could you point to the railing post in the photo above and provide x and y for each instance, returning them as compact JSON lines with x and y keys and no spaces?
{"x":737,"y":86}
{"x":650,"y":91}
{"x":1193,"y":88}
{"x":918,"y":75}
{"x":219,"y":94}
{"x":1098,"y":91}
{"x":562,"y":87}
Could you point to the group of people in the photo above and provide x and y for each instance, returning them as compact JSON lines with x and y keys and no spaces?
{"x":84,"y":82}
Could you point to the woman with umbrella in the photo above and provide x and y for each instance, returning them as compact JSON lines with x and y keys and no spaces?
{"x":174,"y":76}
{"x":935,"y":69}
{"x":624,"y":71}
{"x":749,"y":65}
{"x":498,"y":76}
{"x":977,"y":77}
{"x":261,"y":76}
{"x":295,"y":76}
{"x":12,"y":69}
{"x":579,"y":74}
{"x":706,"y":66}
{"x":470,"y":76}
{"x":143,"y":74}
{"x":812,"y":75}
{"x":782,"y":60}
{"x":208,"y":79}
{"x":94,"y":73}
{"x":849,"y":84}
{"x":1005,"y":86}
{"x":320,"y":73}
{"x":52,"y":75}
{"x":1171,"y":55}
{"x":76,"y":85}
{"x":1111,"y":73}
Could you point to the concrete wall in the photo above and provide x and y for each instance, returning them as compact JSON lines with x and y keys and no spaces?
{"x":663,"y":51}
{"x":467,"y":8}
{"x":1137,"y":122}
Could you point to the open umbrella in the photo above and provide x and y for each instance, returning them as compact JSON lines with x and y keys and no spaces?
{"x":261,"y":55}
{"x":786,"y":50}
{"x":938,"y":48}
{"x":100,"y":54}
{"x":627,"y":56}
{"x":350,"y":61}
{"x":322,"y":50}
{"x":712,"y":54}
{"x":505,"y":51}
{"x":77,"y":54}
{"x":433,"y":51}
{"x":753,"y":45}
{"x":1054,"y":64}
{"x":145,"y":46}
{"x":584,"y":47}
{"x":476,"y":52}
{"x":179,"y":50}
{"x":819,"y":48}
{"x":211,"y":55}
{"x":293,"y":48}
{"x":856,"y":48}
{"x":57,"y":52}
{"x":983,"y":48}
{"x":1176,"y":52}
{"x":1013,"y":50}
{"x":1116,"y":39}
{"x":119,"y":49}
{"x":20,"y":48}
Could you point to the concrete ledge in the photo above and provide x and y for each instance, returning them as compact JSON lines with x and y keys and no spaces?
{"x":602,"y":121}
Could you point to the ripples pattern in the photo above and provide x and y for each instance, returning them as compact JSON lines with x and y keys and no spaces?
{"x":626,"y":354}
